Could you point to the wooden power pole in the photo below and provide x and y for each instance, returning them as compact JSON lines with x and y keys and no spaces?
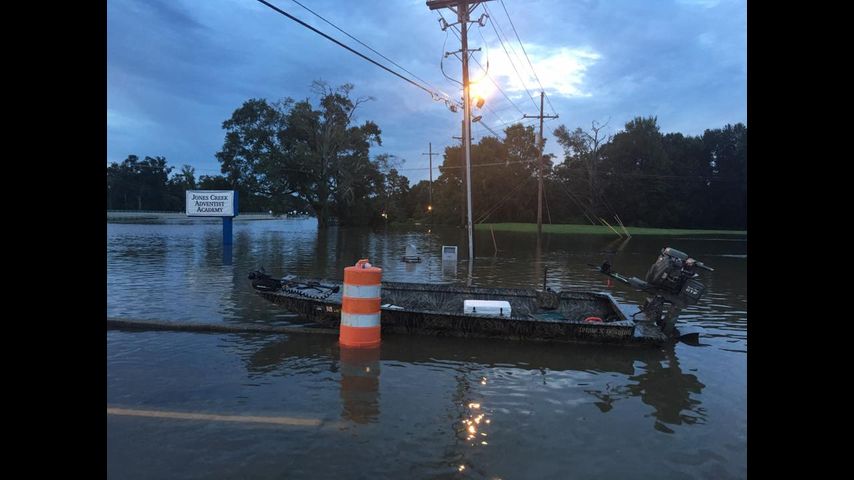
{"x":540,"y":147}
{"x":430,"y":204}
{"x":462,"y":9}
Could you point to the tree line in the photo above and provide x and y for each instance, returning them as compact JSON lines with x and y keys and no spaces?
{"x":289,"y":155}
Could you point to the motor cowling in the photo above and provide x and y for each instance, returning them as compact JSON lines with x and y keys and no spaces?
{"x":674,"y":272}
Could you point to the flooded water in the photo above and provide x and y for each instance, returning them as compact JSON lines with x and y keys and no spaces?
{"x":195,"y":405}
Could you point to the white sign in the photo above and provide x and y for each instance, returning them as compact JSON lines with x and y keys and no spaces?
{"x":210,"y":203}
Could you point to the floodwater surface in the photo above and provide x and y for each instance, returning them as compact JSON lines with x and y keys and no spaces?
{"x":200,"y":405}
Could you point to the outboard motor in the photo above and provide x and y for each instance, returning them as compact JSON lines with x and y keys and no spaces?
{"x":674,"y":273}
{"x":672,"y":280}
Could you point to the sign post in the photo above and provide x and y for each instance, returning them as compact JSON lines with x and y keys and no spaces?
{"x":214,"y":203}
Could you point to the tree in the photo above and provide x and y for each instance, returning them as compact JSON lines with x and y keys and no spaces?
{"x":580,"y":168}
{"x":634,"y":164}
{"x":252,"y":154}
{"x":318,"y":155}
{"x":178,"y":185}
{"x":393,"y":196}
{"x":726,"y":150}
{"x":139,"y":185}
{"x":502,"y":173}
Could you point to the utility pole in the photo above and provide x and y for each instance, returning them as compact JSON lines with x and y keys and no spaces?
{"x":464,"y":174}
{"x":430,"y":153}
{"x":462,"y":8}
{"x":541,"y":146}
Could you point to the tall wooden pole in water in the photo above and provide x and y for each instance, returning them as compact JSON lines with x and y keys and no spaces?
{"x":463,"y":17}
{"x":430,"y":204}
{"x":540,"y":148}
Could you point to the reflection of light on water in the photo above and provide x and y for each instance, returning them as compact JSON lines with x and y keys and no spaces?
{"x":473,"y":420}
{"x":472,"y":430}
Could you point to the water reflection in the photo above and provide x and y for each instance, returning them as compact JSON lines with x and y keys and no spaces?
{"x":227,"y":254}
{"x":653,"y":375}
{"x":410,"y":267}
{"x":360,"y":384}
{"x":449,"y":270}
{"x":661,"y":384}
{"x":472,"y":422}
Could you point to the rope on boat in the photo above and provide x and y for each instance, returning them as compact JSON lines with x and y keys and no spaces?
{"x":114,"y":323}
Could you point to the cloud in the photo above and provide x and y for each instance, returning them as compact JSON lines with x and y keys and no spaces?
{"x":177,"y":69}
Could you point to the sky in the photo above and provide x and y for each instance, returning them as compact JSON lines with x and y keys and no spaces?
{"x":177,"y":69}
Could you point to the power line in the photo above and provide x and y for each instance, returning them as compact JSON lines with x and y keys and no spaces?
{"x":463,"y":166}
{"x":371,"y":49}
{"x":490,"y":130}
{"x":611,"y":175}
{"x":433,"y":94}
{"x":482,"y":218}
{"x":512,"y":63}
{"x":526,"y":55}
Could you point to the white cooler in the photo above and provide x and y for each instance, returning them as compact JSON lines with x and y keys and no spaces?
{"x":496,"y":308}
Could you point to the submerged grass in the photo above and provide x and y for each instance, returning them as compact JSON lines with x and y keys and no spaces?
{"x":600,"y":229}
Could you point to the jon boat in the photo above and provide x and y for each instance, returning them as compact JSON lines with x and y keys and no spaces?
{"x":434,"y":309}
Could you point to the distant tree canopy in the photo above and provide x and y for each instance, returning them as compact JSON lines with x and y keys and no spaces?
{"x":290,"y":155}
{"x":145,"y":185}
{"x":650,"y":179}
{"x":503,"y":177}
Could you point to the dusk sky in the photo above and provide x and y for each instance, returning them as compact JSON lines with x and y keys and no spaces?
{"x":177,"y":69}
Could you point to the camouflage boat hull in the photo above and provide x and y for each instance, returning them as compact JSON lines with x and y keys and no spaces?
{"x":438,"y":310}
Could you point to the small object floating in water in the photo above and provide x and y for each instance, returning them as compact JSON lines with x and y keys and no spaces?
{"x":411,"y":255}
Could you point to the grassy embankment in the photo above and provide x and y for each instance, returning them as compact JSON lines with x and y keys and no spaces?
{"x":600,"y":229}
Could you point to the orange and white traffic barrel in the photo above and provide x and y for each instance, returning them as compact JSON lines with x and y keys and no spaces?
{"x":360,"y":306}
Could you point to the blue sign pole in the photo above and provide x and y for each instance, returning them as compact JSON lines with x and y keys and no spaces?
{"x":226,"y":231}
{"x":227,"y":225}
